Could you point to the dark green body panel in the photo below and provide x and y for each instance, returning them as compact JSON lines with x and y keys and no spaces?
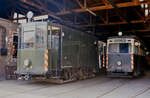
{"x":37,"y":58}
{"x":78,"y":49}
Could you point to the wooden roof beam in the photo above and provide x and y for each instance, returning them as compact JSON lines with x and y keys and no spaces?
{"x":106,"y":2}
{"x":85,"y":7}
{"x":139,"y":14}
{"x":104,"y":7}
{"x":135,"y":1}
{"x":115,"y":23}
{"x":85,"y":3}
{"x":121,"y":17}
{"x":123,"y":22}
{"x":118,"y":14}
{"x":79,"y":3}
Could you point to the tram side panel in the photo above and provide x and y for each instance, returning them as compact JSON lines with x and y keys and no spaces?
{"x":78,"y":53}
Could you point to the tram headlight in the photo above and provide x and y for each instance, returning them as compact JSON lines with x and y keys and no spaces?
{"x":26,"y":62}
{"x":119,"y":63}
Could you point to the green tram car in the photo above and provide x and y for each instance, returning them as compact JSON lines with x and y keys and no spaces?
{"x":50,"y":51}
{"x":125,"y":56}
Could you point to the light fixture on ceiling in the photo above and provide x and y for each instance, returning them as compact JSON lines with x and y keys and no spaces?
{"x":90,"y":12}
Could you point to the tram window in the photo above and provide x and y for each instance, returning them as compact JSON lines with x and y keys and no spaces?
{"x":55,"y":30}
{"x":49,"y":41}
{"x":29,"y":39}
{"x":136,"y":50}
{"x":119,"y":48}
{"x":113,"y":48}
{"x":15,"y":44}
{"x":124,"y":48}
{"x":55,"y":37}
{"x":40,"y":37}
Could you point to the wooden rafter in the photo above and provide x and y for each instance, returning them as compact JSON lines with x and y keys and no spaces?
{"x":123,"y":22}
{"x":107,"y":17}
{"x":139,"y":14}
{"x":104,"y":7}
{"x":122,"y":19}
{"x":85,"y":3}
{"x":114,"y":23}
{"x":135,"y":1}
{"x":105,"y":2}
{"x":102,"y":18}
{"x":147,"y":18}
{"x":118,"y":14}
{"x":79,"y":3}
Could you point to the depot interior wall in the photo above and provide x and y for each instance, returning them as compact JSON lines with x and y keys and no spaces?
{"x":6,"y":60}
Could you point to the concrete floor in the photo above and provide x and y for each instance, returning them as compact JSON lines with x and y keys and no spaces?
{"x":99,"y":87}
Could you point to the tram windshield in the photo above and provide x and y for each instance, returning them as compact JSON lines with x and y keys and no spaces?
{"x":119,"y":48}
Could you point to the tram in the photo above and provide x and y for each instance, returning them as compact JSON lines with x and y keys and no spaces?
{"x":51,"y":51}
{"x":125,"y":56}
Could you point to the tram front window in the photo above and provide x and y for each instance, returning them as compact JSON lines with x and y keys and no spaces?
{"x":124,"y":48}
{"x":119,"y":48}
{"x":29,"y":39}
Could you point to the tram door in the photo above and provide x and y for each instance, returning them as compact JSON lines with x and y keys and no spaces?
{"x":54,"y":51}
